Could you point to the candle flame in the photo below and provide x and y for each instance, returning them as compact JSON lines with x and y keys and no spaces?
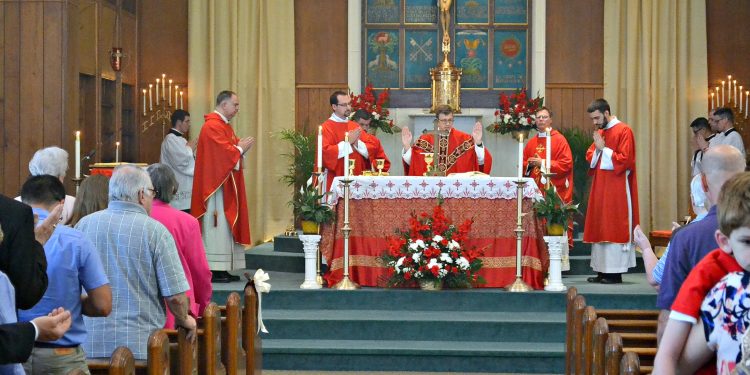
{"x":117,"y":143}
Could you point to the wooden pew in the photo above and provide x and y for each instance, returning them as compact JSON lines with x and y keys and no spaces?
{"x":122,"y":361}
{"x":209,"y":342}
{"x":589,"y":318}
{"x":599,"y":346}
{"x":613,"y":354}
{"x":183,"y":353}
{"x":579,"y":305}
{"x":251,"y":341}
{"x":569,"y":333}
{"x":629,"y":365}
{"x":232,"y":353}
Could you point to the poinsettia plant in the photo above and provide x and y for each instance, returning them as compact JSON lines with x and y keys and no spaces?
{"x":432,"y":249}
{"x":516,"y":113}
{"x":377,"y":107}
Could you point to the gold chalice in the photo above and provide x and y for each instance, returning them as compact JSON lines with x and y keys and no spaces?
{"x":428,"y":159}
{"x":380,"y":164}
{"x":351,"y":167}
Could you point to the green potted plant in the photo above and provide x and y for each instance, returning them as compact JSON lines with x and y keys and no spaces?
{"x":301,"y":162}
{"x":579,"y":142}
{"x":555,"y":212}
{"x":311,"y":211}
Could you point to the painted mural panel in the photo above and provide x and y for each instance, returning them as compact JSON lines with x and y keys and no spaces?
{"x":421,"y":54}
{"x":510,"y":50}
{"x":383,"y":11}
{"x":382,"y":58}
{"x":471,"y":56}
{"x":511,"y":11}
{"x":420,"y":11}
{"x":472,"y":12}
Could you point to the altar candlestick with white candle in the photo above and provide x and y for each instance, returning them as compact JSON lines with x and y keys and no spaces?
{"x":78,"y":154}
{"x":181,"y":103}
{"x":548,"y":150}
{"x":712,"y":103}
{"x":163,"y":85}
{"x":320,"y":149}
{"x":520,"y":156}
{"x":144,"y":102}
{"x":346,"y":156}
{"x":723,"y":93}
{"x":117,"y":152}
{"x":169,"y":95}
{"x":157,"y":92}
{"x":734,"y":91}
{"x":150,"y":98}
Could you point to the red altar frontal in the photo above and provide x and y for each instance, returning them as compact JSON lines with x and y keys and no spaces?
{"x":380,"y":205}
{"x":106,"y":169}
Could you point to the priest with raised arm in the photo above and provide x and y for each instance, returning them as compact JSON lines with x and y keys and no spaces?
{"x":457,"y":152}
{"x":613,"y":201}
{"x":335,"y":144}
{"x":561,"y":160}
{"x":374,"y":147}
{"x":219,"y":200}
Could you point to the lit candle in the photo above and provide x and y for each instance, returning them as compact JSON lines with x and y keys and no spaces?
{"x":169,"y":95}
{"x":711,"y":103}
{"x":520,"y":157}
{"x":723,"y":93}
{"x":78,"y":154}
{"x":740,"y":101}
{"x":144,"y":102}
{"x":117,"y":152}
{"x":734,"y":92}
{"x":320,"y":149}
{"x":548,"y":150}
{"x":150,"y":98}
{"x":163,"y":85}
{"x":717,"y":97}
{"x":729,"y":87}
{"x":346,"y":156}
{"x":157,"y":92}
{"x":181,"y":104}
{"x":747,"y":95}
{"x":176,"y":93}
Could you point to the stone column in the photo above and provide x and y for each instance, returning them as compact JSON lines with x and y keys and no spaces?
{"x":555,"y":247}
{"x":310,"y":246}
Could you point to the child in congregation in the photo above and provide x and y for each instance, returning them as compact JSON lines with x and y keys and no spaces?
{"x":714,"y":291}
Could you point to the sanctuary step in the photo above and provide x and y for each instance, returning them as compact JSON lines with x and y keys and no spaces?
{"x":404,"y":330}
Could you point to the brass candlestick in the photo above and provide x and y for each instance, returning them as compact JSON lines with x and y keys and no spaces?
{"x":519,"y":285}
{"x":346,"y":283}
{"x":318,"y":257}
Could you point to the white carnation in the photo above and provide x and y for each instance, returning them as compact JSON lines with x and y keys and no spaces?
{"x":421,"y":244}
{"x":415,"y":257}
{"x":376,"y":116}
{"x":437,"y":238}
{"x":399,"y":263}
{"x":507,"y":118}
{"x":434,"y":262}
{"x":453,"y":245}
{"x":523,"y":121}
{"x":446,"y":258}
{"x":462,"y":263}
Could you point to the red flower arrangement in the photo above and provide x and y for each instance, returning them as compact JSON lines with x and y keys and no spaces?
{"x":517,"y":112}
{"x":431,"y":250}
{"x":377,"y":107}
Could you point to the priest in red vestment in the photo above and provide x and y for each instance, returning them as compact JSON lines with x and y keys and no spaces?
{"x":374,"y":147}
{"x":219,"y":200}
{"x":335,"y":146}
{"x":613,"y":201}
{"x":561,"y":160}
{"x":457,"y":152}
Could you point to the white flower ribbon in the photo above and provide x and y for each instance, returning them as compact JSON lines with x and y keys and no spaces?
{"x":261,"y":286}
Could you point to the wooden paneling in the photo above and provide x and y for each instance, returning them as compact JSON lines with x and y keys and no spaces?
{"x":575,"y":41}
{"x":320,"y":43}
{"x":11,"y":81}
{"x":313,"y":106}
{"x":129,"y":71}
{"x":727,"y":41}
{"x":52,"y":79}
{"x":569,"y":102}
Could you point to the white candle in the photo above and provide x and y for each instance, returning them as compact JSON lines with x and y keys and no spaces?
{"x":520,"y":157}
{"x":157,"y":92}
{"x":176,"y":93}
{"x":150,"y":98}
{"x":181,"y":104}
{"x":734,"y":91}
{"x":144,"y":102}
{"x":163,"y":85}
{"x":320,"y":149}
{"x":346,"y":156}
{"x":740,"y":101}
{"x":117,"y":152}
{"x":723,"y":93}
{"x":712,"y":104}
{"x":729,"y":87}
{"x":169,"y":95}
{"x":717,"y":97}
{"x":747,"y":95}
{"x":78,"y":154}
{"x":548,"y":149}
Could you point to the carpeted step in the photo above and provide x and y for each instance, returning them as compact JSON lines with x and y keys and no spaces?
{"x":405,"y":355}
{"x":288,"y":244}
{"x":266,"y":258}
{"x":401,"y":325}
{"x":581,"y":265}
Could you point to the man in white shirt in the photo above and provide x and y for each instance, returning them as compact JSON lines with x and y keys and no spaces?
{"x":726,"y":134}
{"x":179,"y":155}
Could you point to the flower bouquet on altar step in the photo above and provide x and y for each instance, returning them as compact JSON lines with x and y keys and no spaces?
{"x":516,"y":113}
{"x":377,"y":107}
{"x":432,"y":250}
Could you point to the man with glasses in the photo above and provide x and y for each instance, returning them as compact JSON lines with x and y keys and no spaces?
{"x":142,"y":264}
{"x":335,"y":144}
{"x":456,"y":151}
{"x":726,"y":134}
{"x":374,"y":147}
{"x":561,"y":160}
{"x":702,"y":135}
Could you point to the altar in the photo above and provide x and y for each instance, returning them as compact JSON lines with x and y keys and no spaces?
{"x":380,"y":205}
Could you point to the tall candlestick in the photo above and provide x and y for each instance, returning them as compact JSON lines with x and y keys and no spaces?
{"x":734,"y":91}
{"x":729,"y":87}
{"x":78,"y":154}
{"x":169,"y":96}
{"x":320,"y":149}
{"x":346,"y":156}
{"x":723,"y":93}
{"x":740,"y":101}
{"x":117,"y":152}
{"x":548,"y":150}
{"x":150,"y":98}
{"x":144,"y":102}
{"x":157,"y":92}
{"x":747,"y":95}
{"x":163,"y":85}
{"x":181,"y":104}
{"x":176,"y":94}
{"x":711,"y":103}
{"x":717,"y":97}
{"x":520,"y":156}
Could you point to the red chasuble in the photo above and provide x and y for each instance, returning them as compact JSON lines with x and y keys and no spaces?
{"x":216,"y":157}
{"x":608,"y":218}
{"x":560,"y":158}
{"x":374,"y":151}
{"x":333,"y":133}
{"x":456,"y":152}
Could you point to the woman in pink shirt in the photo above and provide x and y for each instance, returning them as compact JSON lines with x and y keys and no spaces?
{"x":187,"y":235}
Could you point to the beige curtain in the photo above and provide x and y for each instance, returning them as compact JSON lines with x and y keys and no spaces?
{"x":655,"y":79}
{"x":248,"y":47}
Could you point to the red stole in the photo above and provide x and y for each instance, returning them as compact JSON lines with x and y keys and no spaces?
{"x":561,"y":159}
{"x":214,"y":168}
{"x":333,"y":133}
{"x":457,"y":154}
{"x":374,"y":151}
{"x":607,"y":217}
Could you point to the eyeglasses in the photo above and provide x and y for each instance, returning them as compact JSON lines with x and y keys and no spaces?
{"x":344,"y":104}
{"x":542,"y":117}
{"x":446,"y":121}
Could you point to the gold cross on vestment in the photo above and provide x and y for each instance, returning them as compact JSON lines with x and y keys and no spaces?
{"x":540,"y":148}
